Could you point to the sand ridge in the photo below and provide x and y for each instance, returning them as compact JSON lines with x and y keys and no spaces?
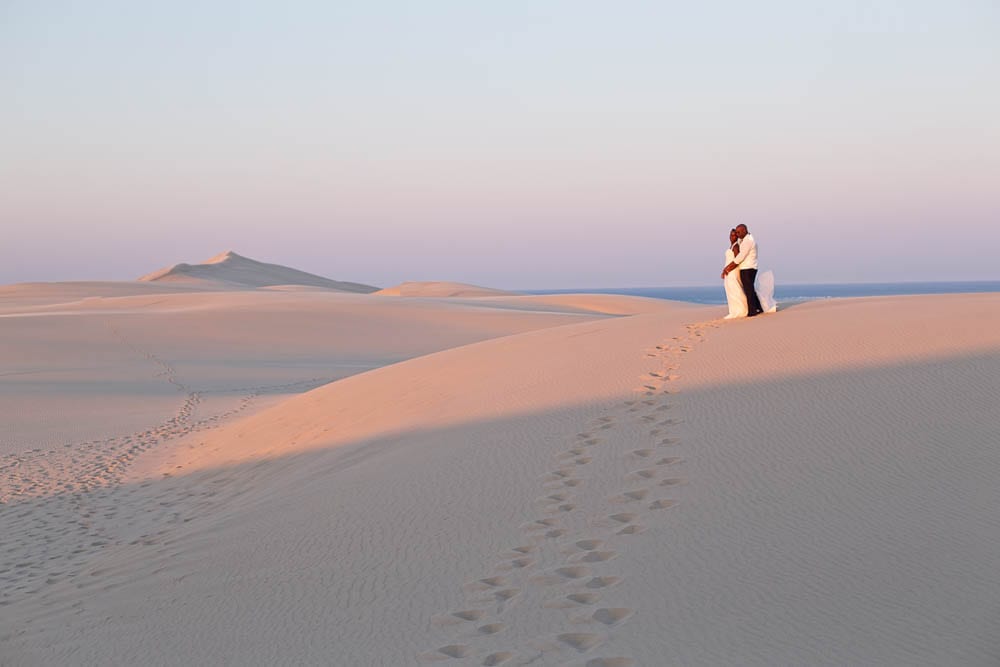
{"x":441,"y":289}
{"x":68,"y":377}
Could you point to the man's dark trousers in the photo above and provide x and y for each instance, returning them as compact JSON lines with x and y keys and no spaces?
{"x":748,"y":277}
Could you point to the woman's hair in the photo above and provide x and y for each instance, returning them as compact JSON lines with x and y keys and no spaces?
{"x":732,"y":231}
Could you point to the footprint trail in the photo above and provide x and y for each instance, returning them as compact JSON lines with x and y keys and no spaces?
{"x":567,"y":564}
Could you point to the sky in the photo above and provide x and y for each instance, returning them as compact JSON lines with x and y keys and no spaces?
{"x":517,"y":144}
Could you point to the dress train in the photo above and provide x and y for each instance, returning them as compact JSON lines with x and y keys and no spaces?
{"x":765,"y":291}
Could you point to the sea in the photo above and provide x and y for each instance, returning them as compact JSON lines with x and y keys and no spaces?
{"x":791,"y":293}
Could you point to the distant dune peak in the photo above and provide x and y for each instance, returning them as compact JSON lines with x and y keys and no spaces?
{"x":234,"y":271}
{"x":224,"y":257}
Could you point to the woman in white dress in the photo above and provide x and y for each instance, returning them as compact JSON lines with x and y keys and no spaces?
{"x":735,"y":297}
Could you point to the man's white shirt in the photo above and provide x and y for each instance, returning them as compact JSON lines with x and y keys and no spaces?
{"x":747,"y":259}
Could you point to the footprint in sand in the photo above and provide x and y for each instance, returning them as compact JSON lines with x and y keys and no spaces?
{"x":459,"y":616}
{"x":502,"y":657}
{"x":555,"y":497}
{"x":632,"y":496}
{"x":561,"y":575}
{"x":596,"y":583}
{"x":611,"y":616}
{"x":486,"y":584}
{"x":642,"y":453}
{"x":469,"y":614}
{"x":594,"y":557}
{"x":540,"y":524}
{"x":516,"y":564}
{"x":669,"y":461}
{"x":662,"y":504}
{"x":565,"y":507}
{"x":570,"y":482}
{"x":572,"y":571}
{"x":673,"y":481}
{"x":456,"y":651}
{"x":490,"y":628}
{"x":588,"y":544}
{"x":580,"y":641}
{"x":647,"y":473}
{"x":506,"y":594}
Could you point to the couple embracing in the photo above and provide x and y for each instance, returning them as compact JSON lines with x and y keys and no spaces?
{"x":744,"y":298}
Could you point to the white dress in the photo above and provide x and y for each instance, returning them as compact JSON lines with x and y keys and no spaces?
{"x":735,"y":297}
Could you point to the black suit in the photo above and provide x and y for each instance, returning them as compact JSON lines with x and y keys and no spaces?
{"x":748,"y":277}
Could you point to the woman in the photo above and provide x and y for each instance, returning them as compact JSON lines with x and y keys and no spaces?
{"x":735,"y":297}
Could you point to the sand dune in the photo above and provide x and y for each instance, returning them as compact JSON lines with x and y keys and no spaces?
{"x":812,"y":487}
{"x":89,"y":369}
{"x":16,"y":298}
{"x":441,"y":289}
{"x":230,"y":269}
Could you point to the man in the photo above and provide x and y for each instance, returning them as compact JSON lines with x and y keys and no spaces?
{"x":746,"y":262}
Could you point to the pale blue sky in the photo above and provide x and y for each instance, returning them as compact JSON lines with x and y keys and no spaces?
{"x":515,"y":144}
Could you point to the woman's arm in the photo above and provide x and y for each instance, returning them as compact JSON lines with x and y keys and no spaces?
{"x":729,"y":267}
{"x":736,"y":260}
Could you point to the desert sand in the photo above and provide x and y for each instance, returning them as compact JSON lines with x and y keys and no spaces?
{"x":440,"y":288}
{"x":312,"y":476}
